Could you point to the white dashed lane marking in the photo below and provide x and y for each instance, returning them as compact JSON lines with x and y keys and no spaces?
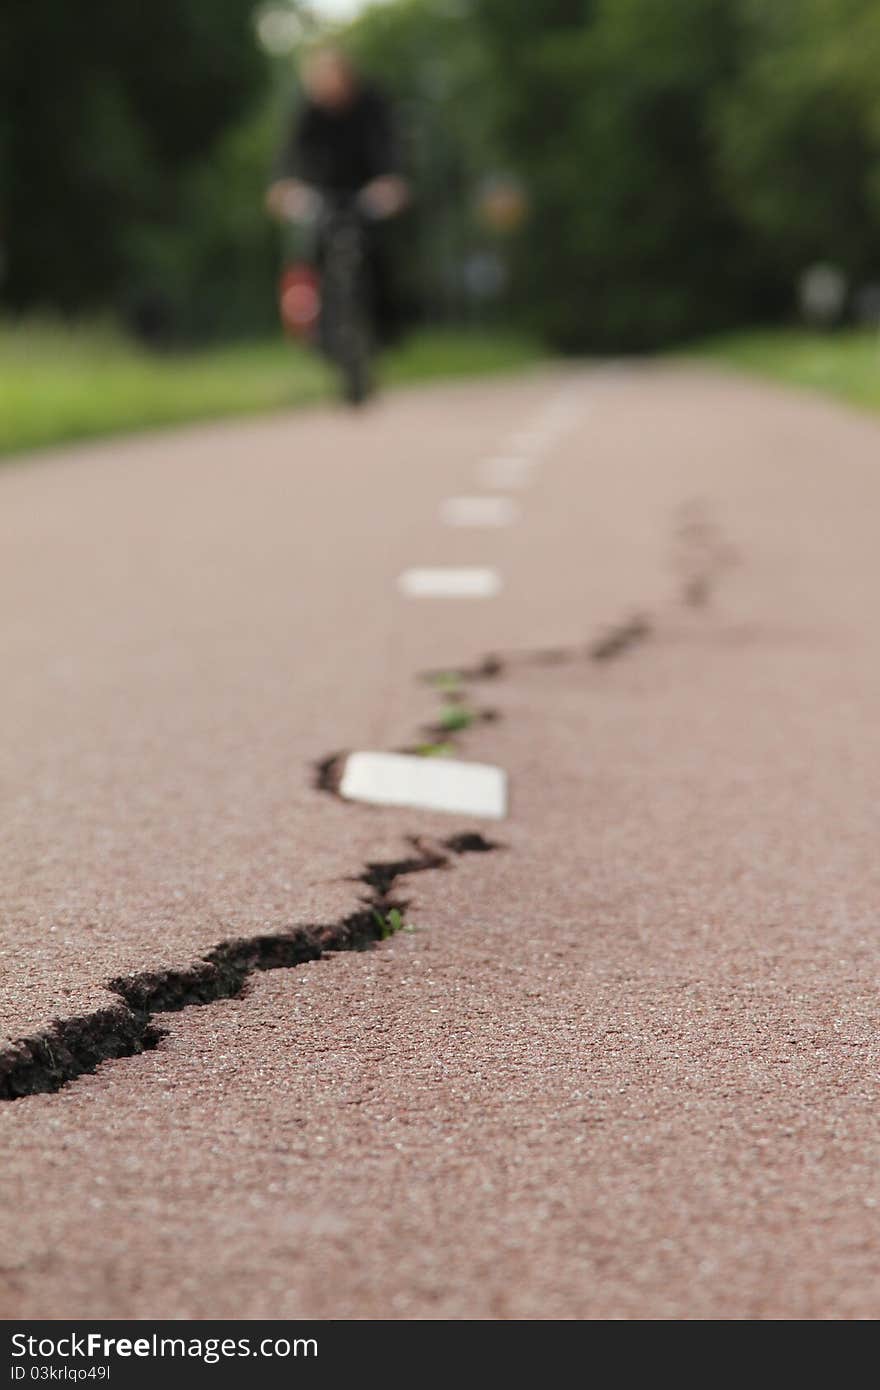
{"x":527,"y":440}
{"x":431,"y":784}
{"x":479,"y":511}
{"x":469,"y":582}
{"x":507,"y":470}
{"x":446,"y":784}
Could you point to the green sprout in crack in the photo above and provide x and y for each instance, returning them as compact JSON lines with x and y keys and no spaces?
{"x":454,"y":718}
{"x":434,"y":750}
{"x":390,"y":923}
{"x":450,"y":681}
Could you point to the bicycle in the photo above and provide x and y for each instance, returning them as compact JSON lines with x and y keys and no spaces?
{"x":345,"y":324}
{"x":329,"y":300}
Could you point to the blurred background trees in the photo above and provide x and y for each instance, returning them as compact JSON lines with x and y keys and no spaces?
{"x":610,"y":107}
{"x":111,"y":110}
{"x":687,"y":161}
{"x":429,"y":55}
{"x":618,"y":174}
{"x":799,"y":133}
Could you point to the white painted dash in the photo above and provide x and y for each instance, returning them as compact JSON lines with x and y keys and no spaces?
{"x":526,"y":441}
{"x":473,"y":581}
{"x":479,"y":511}
{"x":507,"y":470}
{"x":431,"y":784}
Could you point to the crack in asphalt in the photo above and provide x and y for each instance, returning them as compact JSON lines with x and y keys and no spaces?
{"x":614,"y":642}
{"x":47,"y":1061}
{"x":452,"y":684}
{"x":621,"y":639}
{"x":73,"y":1047}
{"x":701,"y":555}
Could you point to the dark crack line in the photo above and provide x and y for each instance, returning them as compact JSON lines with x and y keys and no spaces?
{"x":621,"y":639}
{"x":614,"y":642}
{"x":47,"y":1061}
{"x":702,"y":555}
{"x":452,"y":684}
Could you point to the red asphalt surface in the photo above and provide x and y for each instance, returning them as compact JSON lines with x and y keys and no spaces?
{"x":624,"y":1067}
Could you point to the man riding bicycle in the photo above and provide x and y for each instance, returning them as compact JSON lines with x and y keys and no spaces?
{"x":341,"y":147}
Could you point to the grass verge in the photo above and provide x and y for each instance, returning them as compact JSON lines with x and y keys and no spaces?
{"x":844,"y":364}
{"x":59,"y":384}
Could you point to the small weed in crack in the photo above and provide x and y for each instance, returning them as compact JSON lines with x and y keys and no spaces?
{"x":438,"y":741}
{"x":611,"y":644}
{"x":432,"y":750}
{"x":47,"y":1061}
{"x":702,"y":556}
{"x":391,"y":922}
{"x":455,"y":717}
{"x":489,"y":668}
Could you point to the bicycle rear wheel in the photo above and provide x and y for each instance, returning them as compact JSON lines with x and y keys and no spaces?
{"x":355,"y":357}
{"x":348,"y":337}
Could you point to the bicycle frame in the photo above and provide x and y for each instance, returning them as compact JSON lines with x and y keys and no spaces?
{"x":345,"y":332}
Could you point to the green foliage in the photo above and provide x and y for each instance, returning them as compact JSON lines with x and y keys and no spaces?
{"x":106,"y":112}
{"x":686,"y":160}
{"x":455,"y":718}
{"x":630,"y":242}
{"x":215,"y":265}
{"x":61,"y":383}
{"x":449,"y":681}
{"x":799,"y":135}
{"x":844,"y":364}
{"x":390,"y":923}
{"x":428,"y":55}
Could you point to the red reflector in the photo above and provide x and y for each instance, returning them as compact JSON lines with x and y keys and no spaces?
{"x":300,"y":300}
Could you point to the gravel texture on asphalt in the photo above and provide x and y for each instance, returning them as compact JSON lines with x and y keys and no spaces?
{"x":624,"y":1066}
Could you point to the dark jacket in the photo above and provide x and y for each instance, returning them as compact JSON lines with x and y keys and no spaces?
{"x":342,"y":150}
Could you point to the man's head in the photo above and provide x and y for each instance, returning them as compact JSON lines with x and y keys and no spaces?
{"x":329,"y":78}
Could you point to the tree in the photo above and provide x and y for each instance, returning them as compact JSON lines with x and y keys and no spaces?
{"x":429,"y":56}
{"x":106,"y":107}
{"x":611,"y":103}
{"x":800,"y":133}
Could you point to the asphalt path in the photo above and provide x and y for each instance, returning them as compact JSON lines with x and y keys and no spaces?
{"x":622,"y":1066}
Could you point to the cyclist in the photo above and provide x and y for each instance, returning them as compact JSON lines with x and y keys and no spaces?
{"x":342,"y":143}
